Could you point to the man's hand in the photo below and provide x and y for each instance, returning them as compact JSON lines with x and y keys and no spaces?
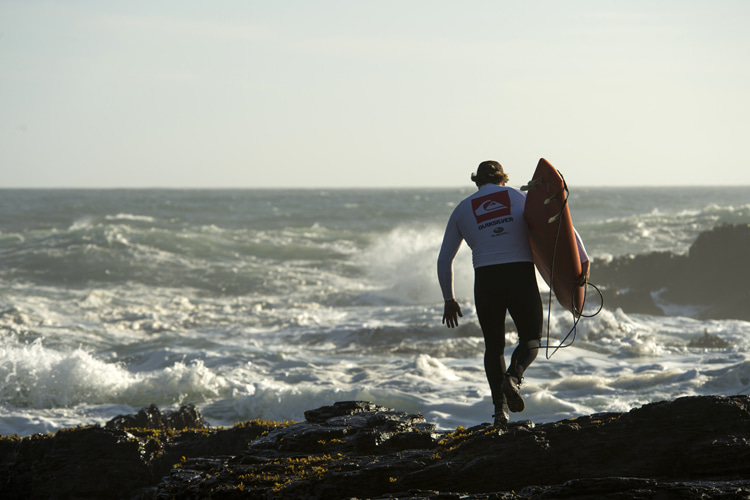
{"x":584,"y":277}
{"x":451,"y":312}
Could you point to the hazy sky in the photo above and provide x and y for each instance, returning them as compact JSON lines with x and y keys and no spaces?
{"x":379,"y":93}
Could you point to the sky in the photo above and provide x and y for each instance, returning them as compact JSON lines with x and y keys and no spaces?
{"x":405,"y":93}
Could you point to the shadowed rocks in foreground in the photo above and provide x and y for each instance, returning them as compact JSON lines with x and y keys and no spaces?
{"x":693,"y":447}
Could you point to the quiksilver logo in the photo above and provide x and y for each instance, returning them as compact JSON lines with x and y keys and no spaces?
{"x":488,"y":207}
{"x":506,"y":220}
{"x":491,"y":206}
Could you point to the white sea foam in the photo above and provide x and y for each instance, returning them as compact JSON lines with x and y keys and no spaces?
{"x":403,"y":262}
{"x":42,"y":378}
{"x":130,"y":217}
{"x":214,"y":298}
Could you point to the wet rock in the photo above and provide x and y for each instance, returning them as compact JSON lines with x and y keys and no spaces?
{"x":187,"y":417}
{"x":695,"y":447}
{"x":709,"y":341}
{"x":690,"y":447}
{"x":712,"y":278}
{"x":675,"y":440}
{"x":634,"y":300}
{"x":126,"y":458}
{"x":76,"y":463}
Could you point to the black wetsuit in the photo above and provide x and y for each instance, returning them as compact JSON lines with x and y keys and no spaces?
{"x":491,"y":222}
{"x":500,"y":289}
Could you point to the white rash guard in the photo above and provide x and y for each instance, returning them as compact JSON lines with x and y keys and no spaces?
{"x":491,"y":221}
{"x":581,"y":249}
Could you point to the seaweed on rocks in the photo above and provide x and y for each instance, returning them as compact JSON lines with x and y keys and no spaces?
{"x":692,"y":447}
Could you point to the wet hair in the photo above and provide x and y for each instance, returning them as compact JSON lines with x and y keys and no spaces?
{"x":489,"y":172}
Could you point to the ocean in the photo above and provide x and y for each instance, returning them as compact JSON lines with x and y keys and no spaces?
{"x":266,"y":303}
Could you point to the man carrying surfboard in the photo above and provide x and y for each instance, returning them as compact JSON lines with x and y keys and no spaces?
{"x":491,"y":221}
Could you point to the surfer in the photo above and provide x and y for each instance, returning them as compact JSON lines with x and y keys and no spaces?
{"x":491,"y":222}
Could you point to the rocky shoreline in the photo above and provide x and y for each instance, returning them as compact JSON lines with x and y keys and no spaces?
{"x":711,"y":279}
{"x":693,"y":447}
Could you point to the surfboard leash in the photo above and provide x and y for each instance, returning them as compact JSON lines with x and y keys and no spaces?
{"x":576,"y":317}
{"x":586,"y":282}
{"x":558,"y":218}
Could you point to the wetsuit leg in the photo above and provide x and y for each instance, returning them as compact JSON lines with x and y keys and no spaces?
{"x":500,"y":289}
{"x":491,"y":311}
{"x":526,"y":309}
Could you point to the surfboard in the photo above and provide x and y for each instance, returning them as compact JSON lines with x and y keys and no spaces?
{"x":552,"y":237}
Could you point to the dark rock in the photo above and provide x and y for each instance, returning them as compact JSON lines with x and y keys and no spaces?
{"x":187,"y":417}
{"x":676,"y":440}
{"x":76,"y":463}
{"x":708,"y":341}
{"x":627,"y":488}
{"x":341,"y":409}
{"x":694,"y":447}
{"x":117,"y":460}
{"x":352,"y":426}
{"x":691,"y":447}
{"x":712,"y":277}
{"x":636,"y":300}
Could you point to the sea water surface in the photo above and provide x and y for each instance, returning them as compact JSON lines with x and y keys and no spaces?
{"x":266,"y":303}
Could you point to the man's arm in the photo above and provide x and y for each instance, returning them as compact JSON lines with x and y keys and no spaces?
{"x":448,"y":250}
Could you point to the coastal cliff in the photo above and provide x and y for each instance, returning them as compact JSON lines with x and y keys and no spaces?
{"x":692,"y":447}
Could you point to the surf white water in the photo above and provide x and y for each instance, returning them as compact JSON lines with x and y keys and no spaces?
{"x":263,"y":304}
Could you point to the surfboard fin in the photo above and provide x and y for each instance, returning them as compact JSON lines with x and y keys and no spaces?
{"x":554,"y":217}
{"x":549,"y":200}
{"x":532,"y":184}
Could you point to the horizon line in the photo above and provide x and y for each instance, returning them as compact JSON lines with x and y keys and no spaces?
{"x":338,"y":188}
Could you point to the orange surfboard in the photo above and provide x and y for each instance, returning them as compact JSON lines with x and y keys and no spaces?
{"x":552,"y":237}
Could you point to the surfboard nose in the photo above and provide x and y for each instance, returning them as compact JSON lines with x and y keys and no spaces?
{"x":543,"y":162}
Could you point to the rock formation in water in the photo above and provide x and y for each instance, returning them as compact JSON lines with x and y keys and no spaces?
{"x":693,"y":447}
{"x":712,"y":278}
